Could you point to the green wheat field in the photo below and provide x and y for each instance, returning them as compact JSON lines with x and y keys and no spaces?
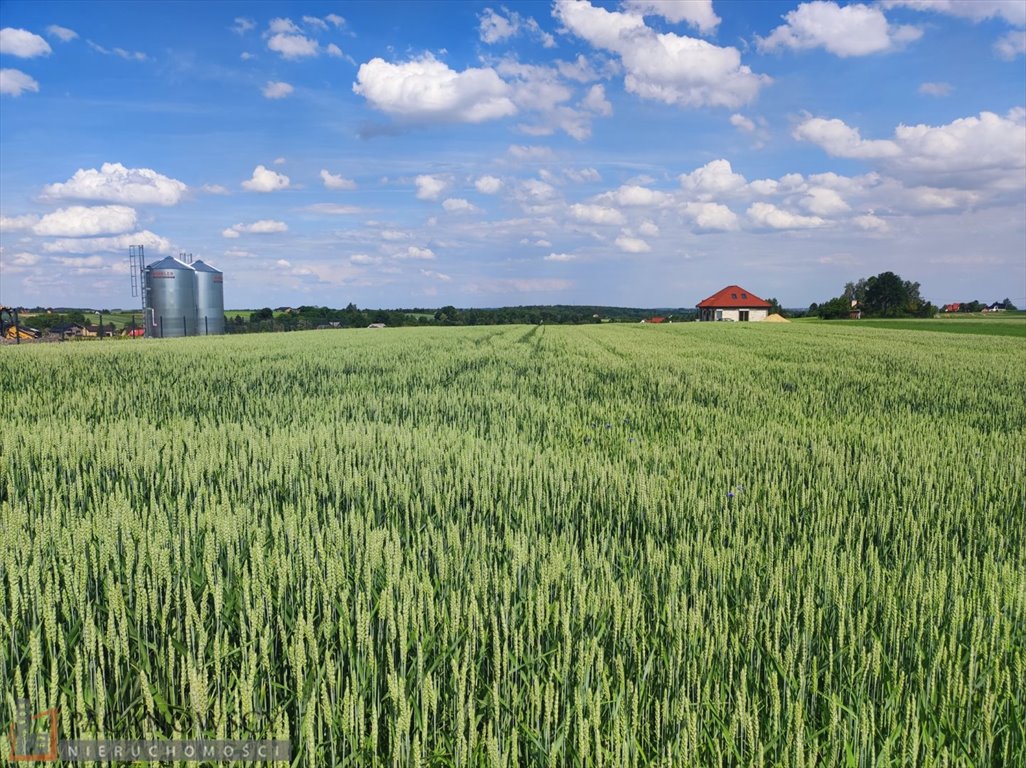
{"x":616,"y":545}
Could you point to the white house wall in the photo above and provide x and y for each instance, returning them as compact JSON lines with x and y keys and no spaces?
{"x":754,"y":315}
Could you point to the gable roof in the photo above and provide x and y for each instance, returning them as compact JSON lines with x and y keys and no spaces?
{"x":734,"y":296}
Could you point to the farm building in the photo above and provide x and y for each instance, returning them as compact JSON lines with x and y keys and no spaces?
{"x":733,"y":303}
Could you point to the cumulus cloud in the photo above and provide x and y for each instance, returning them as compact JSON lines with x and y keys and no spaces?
{"x":364,"y":259}
{"x":596,"y":214}
{"x":1011,"y":44}
{"x":63,"y":34}
{"x":769,"y":216}
{"x":595,"y":101}
{"x":430,"y":187}
{"x":743,"y":123}
{"x":711,"y":217}
{"x":697,"y":13}
{"x":665,"y":67}
{"x":334,"y":51}
{"x":822,"y":201}
{"x":22,"y":43}
{"x":524,"y":152}
{"x":17,"y":223}
{"x":286,"y":39}
{"x":488,"y":185}
{"x":265,"y":180}
{"x":840,"y":140}
{"x":117,"y":244}
{"x":81,"y":221}
{"x":413,"y":252}
{"x":494,"y":27}
{"x":435,"y":275}
{"x":262,"y":227}
{"x":971,"y":152}
{"x":275,"y":89}
{"x":14,"y":82}
{"x":629,"y":244}
{"x":115,"y":183}
{"x":632,"y":195}
{"x":560,"y":257}
{"x":459,"y":205}
{"x":851,"y":30}
{"x":872,"y":223}
{"x":336,"y":180}
{"x":426,"y":89}
{"x":712,"y":180}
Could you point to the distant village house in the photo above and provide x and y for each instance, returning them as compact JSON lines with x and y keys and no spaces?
{"x":733,"y":303}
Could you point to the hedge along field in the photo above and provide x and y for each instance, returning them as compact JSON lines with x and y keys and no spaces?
{"x":722,"y":544}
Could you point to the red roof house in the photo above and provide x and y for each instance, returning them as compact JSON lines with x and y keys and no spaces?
{"x":733,"y":303}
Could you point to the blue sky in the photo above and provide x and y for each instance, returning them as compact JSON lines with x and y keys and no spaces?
{"x":640,"y":153}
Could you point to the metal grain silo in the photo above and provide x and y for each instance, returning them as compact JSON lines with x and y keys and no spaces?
{"x":209,"y":299}
{"x":170,"y":298}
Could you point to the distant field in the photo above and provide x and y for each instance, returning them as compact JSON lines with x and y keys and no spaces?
{"x":1003,"y":326}
{"x":702,"y":544}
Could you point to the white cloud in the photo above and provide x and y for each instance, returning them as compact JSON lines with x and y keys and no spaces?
{"x":334,"y":51}
{"x":1011,"y":44}
{"x":632,"y":195}
{"x":840,"y":140}
{"x":632,"y":244}
{"x":117,"y":184}
{"x":242,"y":25}
{"x":336,"y":180}
{"x":315,"y":23}
{"x":275,"y":89}
{"x":522,"y":152}
{"x":63,"y":34}
{"x":712,"y":217}
{"x":871,"y":222}
{"x":335,"y":20}
{"x":214,"y":189}
{"x":768,"y":215}
{"x":363,"y":258}
{"x":24,"y":259}
{"x":80,"y":221}
{"x":488,"y":185}
{"x":971,"y":152}
{"x":119,"y":52}
{"x":229,"y":233}
{"x":935,"y":89}
{"x":393,"y":235}
{"x":519,"y":285}
{"x":596,"y":214}
{"x":713,"y":179}
{"x":14,"y":82}
{"x":287,"y":42}
{"x":413,"y":252}
{"x":698,"y":13}
{"x":851,"y":30}
{"x":22,"y":43}
{"x":822,"y":201}
{"x":664,"y":67}
{"x":596,"y":101}
{"x":118,"y":244}
{"x":430,"y":187}
{"x":582,"y":175}
{"x":459,"y":205}
{"x":17,"y":223}
{"x":495,"y":27}
{"x":649,"y":228}
{"x":560,"y":257}
{"x":265,"y":180}
{"x":742,"y":122}
{"x":262,"y":227}
{"x":1012,"y":11}
{"x":427,"y":89}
